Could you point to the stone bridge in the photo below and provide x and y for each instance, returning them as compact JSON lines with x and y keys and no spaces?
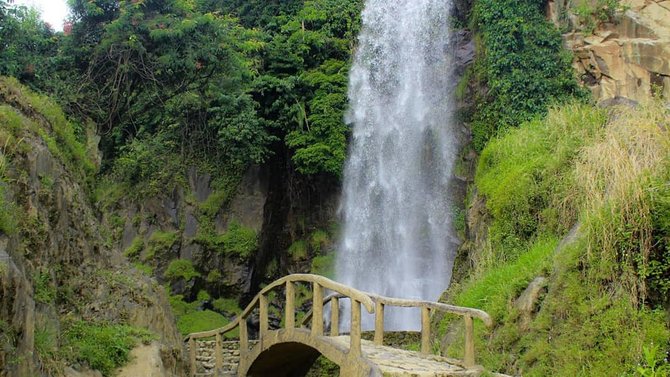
{"x":291,"y":349}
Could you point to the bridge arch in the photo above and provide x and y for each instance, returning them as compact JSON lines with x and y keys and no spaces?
{"x":292,"y":353}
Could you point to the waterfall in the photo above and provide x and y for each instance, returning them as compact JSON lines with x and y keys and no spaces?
{"x":397,"y":238}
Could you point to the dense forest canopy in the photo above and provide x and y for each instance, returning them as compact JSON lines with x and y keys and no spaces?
{"x":195,"y":80}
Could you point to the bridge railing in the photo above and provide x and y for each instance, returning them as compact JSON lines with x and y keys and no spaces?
{"x":372,"y":303}
{"x":261,"y":304}
{"x":427,"y":307}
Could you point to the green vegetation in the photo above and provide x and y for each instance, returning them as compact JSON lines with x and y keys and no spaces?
{"x":324,"y":265}
{"x":175,"y":84}
{"x":522,"y":64}
{"x":227,"y":306}
{"x":499,"y":285}
{"x":7,"y":220}
{"x":59,"y":133}
{"x":214,"y":276}
{"x":655,"y":365}
{"x":239,"y":240}
{"x":45,"y":290}
{"x":319,"y":241}
{"x":160,"y":243}
{"x":191,"y":319}
{"x":224,"y":189}
{"x":526,"y":175}
{"x":135,"y":248}
{"x":324,"y":368}
{"x":298,"y":250}
{"x":603,"y":306}
{"x":181,"y":269}
{"x":197,"y":321}
{"x":25,"y":40}
{"x":46,"y":346}
{"x":103,"y":347}
{"x":203,"y":296}
{"x":145,"y":269}
{"x":592,"y":13}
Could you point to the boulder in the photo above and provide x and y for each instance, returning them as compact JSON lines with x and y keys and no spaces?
{"x":529,"y":299}
{"x":627,"y":59}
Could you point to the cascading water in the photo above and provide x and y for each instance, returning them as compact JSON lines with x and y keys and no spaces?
{"x":397,"y":234}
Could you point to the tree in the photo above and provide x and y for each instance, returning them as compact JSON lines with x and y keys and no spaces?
{"x":26,"y":42}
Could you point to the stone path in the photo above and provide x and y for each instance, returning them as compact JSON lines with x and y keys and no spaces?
{"x":395,"y":362}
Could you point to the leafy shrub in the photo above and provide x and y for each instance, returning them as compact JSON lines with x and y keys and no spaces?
{"x":214,"y":276}
{"x":239,"y":240}
{"x":149,"y":166}
{"x":298,"y":250}
{"x":203,"y":296}
{"x":7,"y":210}
{"x":180,"y":307}
{"x":145,"y":269}
{"x":319,"y":241}
{"x":655,"y":364}
{"x":135,"y":248}
{"x":181,"y":269}
{"x":223,"y":189}
{"x":592,"y":13}
{"x":45,"y":291}
{"x":523,"y":66}
{"x":159,"y":243}
{"x":324,"y":265}
{"x":103,"y":347}
{"x":227,"y":306}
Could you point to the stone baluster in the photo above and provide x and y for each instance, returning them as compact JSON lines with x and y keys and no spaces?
{"x":244,"y":336}
{"x":335,"y":316}
{"x":264,"y":317}
{"x":317,"y":309}
{"x":469,"y":358}
{"x":290,"y":305}
{"x":355,"y":331}
{"x":425,"y":330}
{"x":379,"y":323}
{"x":192,"y":355}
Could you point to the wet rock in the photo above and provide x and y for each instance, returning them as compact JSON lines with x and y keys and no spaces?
{"x":465,"y":50}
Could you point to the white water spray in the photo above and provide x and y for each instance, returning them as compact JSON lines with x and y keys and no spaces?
{"x":397,"y":234}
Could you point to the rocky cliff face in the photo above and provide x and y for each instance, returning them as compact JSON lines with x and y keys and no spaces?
{"x":54,"y":264}
{"x":627,"y":57}
{"x":182,"y":215}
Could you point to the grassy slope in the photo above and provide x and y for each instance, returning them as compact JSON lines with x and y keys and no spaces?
{"x":607,"y":172}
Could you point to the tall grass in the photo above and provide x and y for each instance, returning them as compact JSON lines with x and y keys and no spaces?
{"x":615,"y":180}
{"x":609,"y":171}
{"x":525,"y":175}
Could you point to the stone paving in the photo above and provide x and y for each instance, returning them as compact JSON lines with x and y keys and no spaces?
{"x":395,"y":362}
